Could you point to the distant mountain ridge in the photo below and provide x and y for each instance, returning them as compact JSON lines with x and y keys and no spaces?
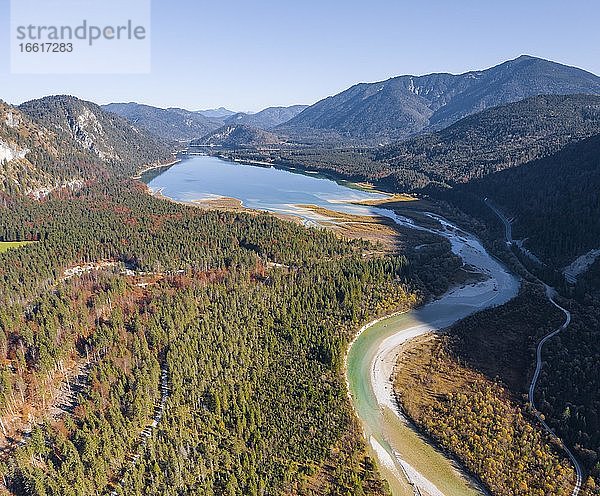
{"x":175,"y":124}
{"x":171,"y":124}
{"x":408,"y":105}
{"x":268,"y":118}
{"x":219,"y":113}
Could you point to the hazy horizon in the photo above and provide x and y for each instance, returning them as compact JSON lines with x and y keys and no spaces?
{"x":246,"y":57}
{"x":255,"y":110}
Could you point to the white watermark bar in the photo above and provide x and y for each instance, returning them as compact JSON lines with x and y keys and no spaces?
{"x":80,"y":36}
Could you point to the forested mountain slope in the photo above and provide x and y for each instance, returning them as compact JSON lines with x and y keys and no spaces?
{"x":169,"y":124}
{"x":120,"y":146}
{"x":495,"y":139}
{"x":60,"y":141}
{"x":555,"y":206}
{"x":555,"y":201}
{"x":407,"y":105}
{"x":34,"y":159}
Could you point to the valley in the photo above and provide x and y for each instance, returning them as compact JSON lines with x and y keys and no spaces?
{"x":392,"y":291}
{"x":404,"y":458}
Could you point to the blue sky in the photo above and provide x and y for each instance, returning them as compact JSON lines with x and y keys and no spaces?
{"x":249,"y":54}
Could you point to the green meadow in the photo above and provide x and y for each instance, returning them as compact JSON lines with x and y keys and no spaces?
{"x":8,"y":245}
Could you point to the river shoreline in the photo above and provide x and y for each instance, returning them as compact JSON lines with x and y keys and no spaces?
{"x":371,"y":359}
{"x":411,"y":475}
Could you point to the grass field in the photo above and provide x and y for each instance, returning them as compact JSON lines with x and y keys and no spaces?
{"x":7,"y":245}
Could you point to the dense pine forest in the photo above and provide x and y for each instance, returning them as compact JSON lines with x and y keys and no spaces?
{"x":539,"y":161}
{"x":249,"y":316}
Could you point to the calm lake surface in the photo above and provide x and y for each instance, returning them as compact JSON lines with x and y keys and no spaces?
{"x":262,"y":188}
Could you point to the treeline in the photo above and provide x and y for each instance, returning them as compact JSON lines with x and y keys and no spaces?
{"x":356,"y":164}
{"x":58,"y":140}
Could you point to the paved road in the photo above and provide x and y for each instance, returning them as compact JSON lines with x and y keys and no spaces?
{"x":505,"y":221}
{"x":551,"y":295}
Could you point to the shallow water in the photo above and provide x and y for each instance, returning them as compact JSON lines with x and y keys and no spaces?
{"x":201,"y":177}
{"x":373,"y":356}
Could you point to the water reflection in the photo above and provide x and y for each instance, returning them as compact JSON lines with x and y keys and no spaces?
{"x":261,"y":188}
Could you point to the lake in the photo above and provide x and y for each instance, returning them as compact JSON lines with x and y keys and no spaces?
{"x":202,"y":177}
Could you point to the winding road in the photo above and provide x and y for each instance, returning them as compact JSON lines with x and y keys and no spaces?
{"x":551,"y":295}
{"x":507,"y":223}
